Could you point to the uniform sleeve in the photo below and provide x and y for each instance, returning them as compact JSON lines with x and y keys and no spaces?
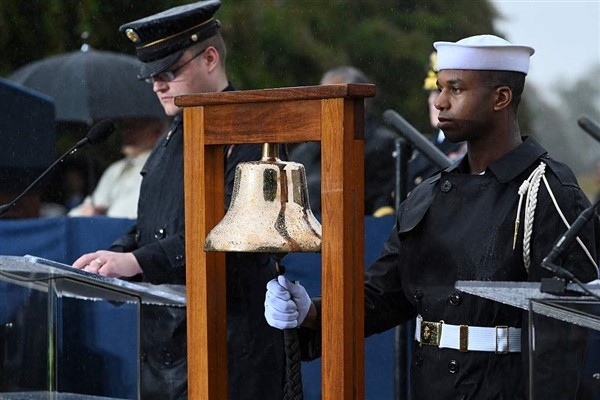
{"x":163,"y":261}
{"x":385,"y":303}
{"x":126,"y":242}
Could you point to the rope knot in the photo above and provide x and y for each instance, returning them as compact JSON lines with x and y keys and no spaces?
{"x":523,"y":188}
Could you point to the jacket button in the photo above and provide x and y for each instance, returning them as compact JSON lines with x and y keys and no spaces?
{"x":453,"y":366}
{"x":418,"y":296}
{"x":446,"y":186}
{"x":138,"y":234}
{"x":455,"y":298}
{"x":179,"y":257}
{"x":160,"y":233}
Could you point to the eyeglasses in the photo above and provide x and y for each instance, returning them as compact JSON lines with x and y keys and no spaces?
{"x":169,"y":76}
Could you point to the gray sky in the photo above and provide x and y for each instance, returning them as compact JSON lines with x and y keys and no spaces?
{"x":565,"y":35}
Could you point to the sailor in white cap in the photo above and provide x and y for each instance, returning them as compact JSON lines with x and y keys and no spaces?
{"x":182,"y":51}
{"x":464,"y":223}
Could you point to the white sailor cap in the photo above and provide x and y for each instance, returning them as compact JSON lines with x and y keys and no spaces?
{"x":483,"y":52}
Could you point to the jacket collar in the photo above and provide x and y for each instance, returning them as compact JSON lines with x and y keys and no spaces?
{"x":512,"y":164}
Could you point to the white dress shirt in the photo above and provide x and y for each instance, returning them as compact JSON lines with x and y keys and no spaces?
{"x":118,"y":189}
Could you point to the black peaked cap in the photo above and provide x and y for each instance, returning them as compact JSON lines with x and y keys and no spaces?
{"x":161,"y":39}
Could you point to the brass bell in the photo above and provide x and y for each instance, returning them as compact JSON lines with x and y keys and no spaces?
{"x":269,"y":210}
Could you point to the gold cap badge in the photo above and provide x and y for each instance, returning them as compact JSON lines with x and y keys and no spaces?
{"x":132,"y":35}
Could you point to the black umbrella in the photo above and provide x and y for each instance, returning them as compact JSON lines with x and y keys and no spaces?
{"x":91,"y":85}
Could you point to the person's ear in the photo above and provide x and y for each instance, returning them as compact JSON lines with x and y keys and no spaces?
{"x":211,"y":55}
{"x":503,"y":97}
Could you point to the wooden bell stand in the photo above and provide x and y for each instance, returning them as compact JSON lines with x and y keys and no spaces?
{"x":332,"y":115}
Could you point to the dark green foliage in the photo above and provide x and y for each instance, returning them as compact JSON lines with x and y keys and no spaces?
{"x":271,"y":43}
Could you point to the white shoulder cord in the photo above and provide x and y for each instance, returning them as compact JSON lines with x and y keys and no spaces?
{"x":530,"y":188}
{"x":586,"y":251}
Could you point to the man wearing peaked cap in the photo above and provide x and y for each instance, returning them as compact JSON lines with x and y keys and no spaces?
{"x":182,"y":51}
{"x":161,"y":39}
{"x":469,"y":222}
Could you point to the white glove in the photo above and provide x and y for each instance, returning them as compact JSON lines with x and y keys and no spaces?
{"x":286,"y":303}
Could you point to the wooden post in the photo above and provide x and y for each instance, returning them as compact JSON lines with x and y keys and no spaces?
{"x":331,"y":114}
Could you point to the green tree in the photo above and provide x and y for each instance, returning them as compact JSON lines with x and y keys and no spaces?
{"x":272,"y":43}
{"x":276,"y":43}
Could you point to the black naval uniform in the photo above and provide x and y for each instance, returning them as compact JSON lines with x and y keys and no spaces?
{"x":459,"y":226}
{"x":255,"y":350}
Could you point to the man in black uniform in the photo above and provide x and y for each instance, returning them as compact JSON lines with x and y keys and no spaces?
{"x":463,"y":224}
{"x":182,"y":51}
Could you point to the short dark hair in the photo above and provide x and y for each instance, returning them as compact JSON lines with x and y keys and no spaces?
{"x":514,"y":80}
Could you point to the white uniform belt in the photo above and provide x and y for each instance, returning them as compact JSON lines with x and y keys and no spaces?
{"x":499,"y":339}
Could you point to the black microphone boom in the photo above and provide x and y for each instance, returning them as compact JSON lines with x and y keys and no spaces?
{"x":592,"y":128}
{"x":417,"y":139}
{"x":566,"y":240}
{"x":98,"y":133}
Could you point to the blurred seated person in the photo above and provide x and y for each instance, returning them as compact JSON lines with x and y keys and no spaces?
{"x":420,"y":167}
{"x":67,"y":188}
{"x":117,"y":192}
{"x":379,"y":157}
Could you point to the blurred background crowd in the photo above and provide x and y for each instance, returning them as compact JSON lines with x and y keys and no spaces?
{"x":275,"y":43}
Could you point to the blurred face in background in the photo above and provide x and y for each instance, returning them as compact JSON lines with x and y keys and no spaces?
{"x":433,"y":112}
{"x":139,"y":135}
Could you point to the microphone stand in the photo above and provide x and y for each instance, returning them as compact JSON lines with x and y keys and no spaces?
{"x":558,"y":284}
{"x":96,"y":134}
{"x":416,"y":138}
{"x":5,"y":207}
{"x":402,"y":153}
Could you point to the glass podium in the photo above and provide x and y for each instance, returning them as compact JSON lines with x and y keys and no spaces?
{"x":563,"y":335}
{"x":68,"y":334}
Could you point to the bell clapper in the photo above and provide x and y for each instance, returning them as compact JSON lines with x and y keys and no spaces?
{"x":278,"y":266}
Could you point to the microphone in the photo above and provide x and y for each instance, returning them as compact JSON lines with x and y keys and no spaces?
{"x":407,"y":131}
{"x":97,"y":134}
{"x":589,"y":126}
{"x":565,"y":241}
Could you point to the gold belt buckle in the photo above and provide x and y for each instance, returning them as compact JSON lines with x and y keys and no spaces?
{"x":431,"y":333}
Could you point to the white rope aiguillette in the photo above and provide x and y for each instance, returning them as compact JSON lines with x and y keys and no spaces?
{"x":529,"y":190}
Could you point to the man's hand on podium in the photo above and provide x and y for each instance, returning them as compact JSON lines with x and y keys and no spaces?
{"x":109,"y":263}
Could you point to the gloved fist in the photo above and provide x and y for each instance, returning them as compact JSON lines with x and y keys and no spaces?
{"x":286,"y":303}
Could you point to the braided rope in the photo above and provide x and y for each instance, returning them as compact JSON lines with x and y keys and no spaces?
{"x":529,"y":188}
{"x":292,"y":389}
{"x":530,"y":203}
